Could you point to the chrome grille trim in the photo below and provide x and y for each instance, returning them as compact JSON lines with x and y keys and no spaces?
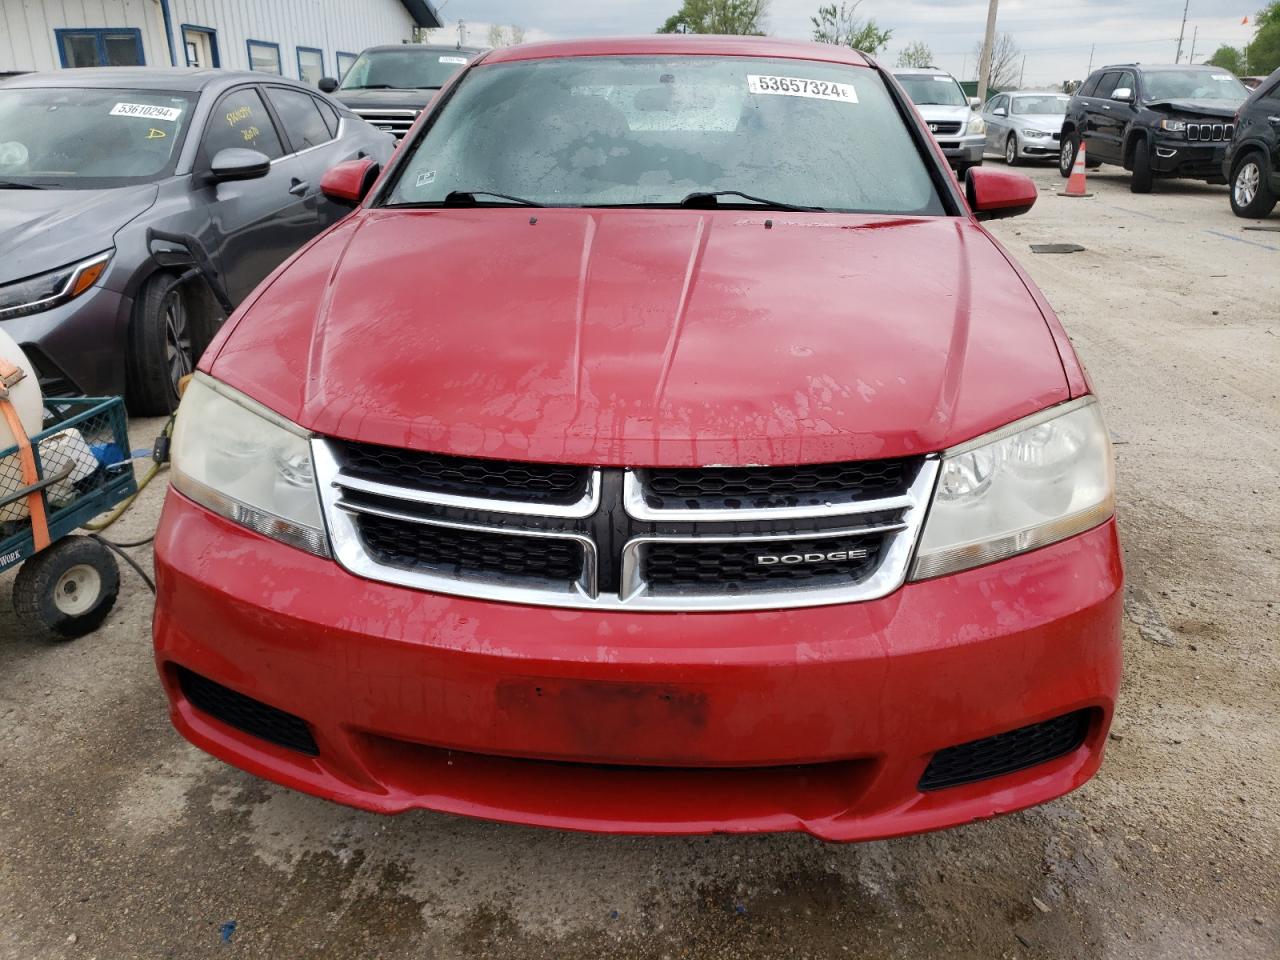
{"x":1210,"y":132}
{"x":584,"y":507}
{"x":343,"y":504}
{"x":395,"y":122}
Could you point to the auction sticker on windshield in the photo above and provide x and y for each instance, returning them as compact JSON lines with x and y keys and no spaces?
{"x":453,"y":59}
{"x":800,"y":87}
{"x":146,"y":110}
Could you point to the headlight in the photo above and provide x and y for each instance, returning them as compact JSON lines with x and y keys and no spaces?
{"x":240,"y":460}
{"x":1032,"y":483}
{"x":977,"y":125}
{"x":1174,"y":126}
{"x":52,"y":289}
{"x":1035,"y":134}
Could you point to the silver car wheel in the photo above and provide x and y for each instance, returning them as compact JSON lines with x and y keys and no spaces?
{"x":177,"y":340}
{"x":1248,"y":178}
{"x":1011,"y":149}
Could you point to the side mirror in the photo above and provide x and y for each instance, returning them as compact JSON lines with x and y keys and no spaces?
{"x":349,"y":182}
{"x":328,"y":84}
{"x":974,"y":103}
{"x":1000,"y":112}
{"x":994,"y":194}
{"x":237,"y":163}
{"x":1123,"y":94}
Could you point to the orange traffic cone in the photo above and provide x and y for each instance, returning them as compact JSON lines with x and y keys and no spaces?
{"x":1075,"y":184}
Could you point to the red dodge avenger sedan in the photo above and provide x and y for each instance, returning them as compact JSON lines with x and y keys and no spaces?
{"x":661,"y":445}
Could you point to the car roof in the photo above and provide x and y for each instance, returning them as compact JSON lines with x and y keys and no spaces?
{"x":1160,"y":66}
{"x":145,"y":78}
{"x":663,"y":44}
{"x":920,"y":71}
{"x":425,"y":48}
{"x":1032,"y":93}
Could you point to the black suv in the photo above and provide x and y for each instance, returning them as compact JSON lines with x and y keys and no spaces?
{"x":1157,"y":121}
{"x":388,"y":86}
{"x":1252,"y":163}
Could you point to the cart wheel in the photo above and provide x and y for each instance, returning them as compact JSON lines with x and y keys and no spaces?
{"x":67,"y":589}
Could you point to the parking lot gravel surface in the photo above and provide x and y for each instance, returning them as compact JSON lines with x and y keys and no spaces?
{"x":119,"y":840}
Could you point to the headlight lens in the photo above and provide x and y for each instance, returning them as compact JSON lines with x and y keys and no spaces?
{"x":52,"y":289}
{"x":977,"y":125}
{"x":240,"y":460}
{"x":1030,"y":484}
{"x":1174,"y":126}
{"x":1035,"y":134}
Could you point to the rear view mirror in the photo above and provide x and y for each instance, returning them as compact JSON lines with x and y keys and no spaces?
{"x":1123,"y":94}
{"x":237,"y":163}
{"x":349,"y":182}
{"x":328,"y":84}
{"x":995,"y":194}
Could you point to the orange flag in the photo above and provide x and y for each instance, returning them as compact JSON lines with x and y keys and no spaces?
{"x":1244,"y":22}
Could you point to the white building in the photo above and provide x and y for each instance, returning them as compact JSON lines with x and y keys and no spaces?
{"x":307,"y":39}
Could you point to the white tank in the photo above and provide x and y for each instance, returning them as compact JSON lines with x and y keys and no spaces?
{"x":25,"y":397}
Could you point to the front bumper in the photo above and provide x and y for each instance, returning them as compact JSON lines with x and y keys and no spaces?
{"x":820,"y":720}
{"x":1040,"y":148}
{"x":967,"y":150}
{"x":1178,"y":158}
{"x":78,"y":347}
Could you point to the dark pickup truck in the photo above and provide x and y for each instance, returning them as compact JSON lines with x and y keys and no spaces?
{"x":1156,"y":121}
{"x":388,"y":86}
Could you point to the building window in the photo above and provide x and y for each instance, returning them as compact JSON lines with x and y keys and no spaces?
{"x":201,"y":46}
{"x":310,"y":65}
{"x":100,"y":48}
{"x":265,"y":57}
{"x":345,"y":60}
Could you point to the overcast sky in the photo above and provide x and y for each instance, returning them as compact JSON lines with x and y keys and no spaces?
{"x":1056,"y":35}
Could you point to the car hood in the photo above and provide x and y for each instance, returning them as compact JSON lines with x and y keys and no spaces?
{"x":45,"y":229}
{"x":627,"y":337}
{"x":932,"y":112}
{"x":1208,"y":108}
{"x":384,"y":99}
{"x":1048,"y":122}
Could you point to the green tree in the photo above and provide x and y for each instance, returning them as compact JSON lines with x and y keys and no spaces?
{"x":916,"y":55}
{"x":843,"y":27}
{"x":1228,"y":58}
{"x":1263,"y":55}
{"x":740,"y":17}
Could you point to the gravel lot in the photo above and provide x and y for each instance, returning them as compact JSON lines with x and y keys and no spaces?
{"x":119,"y":840}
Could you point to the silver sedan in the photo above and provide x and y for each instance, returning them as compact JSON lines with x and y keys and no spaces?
{"x":1024,"y":124}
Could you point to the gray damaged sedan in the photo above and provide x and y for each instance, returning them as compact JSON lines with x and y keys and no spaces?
{"x":1025,"y":125}
{"x":138,"y":206}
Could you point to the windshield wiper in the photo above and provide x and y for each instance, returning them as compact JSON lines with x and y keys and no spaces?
{"x":372,"y":86}
{"x":15,"y":185}
{"x":710,"y":199}
{"x":468,"y":197}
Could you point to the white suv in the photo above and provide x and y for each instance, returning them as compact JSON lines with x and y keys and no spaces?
{"x":942,"y":103}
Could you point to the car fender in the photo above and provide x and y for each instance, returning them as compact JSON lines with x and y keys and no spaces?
{"x":1132,"y":135}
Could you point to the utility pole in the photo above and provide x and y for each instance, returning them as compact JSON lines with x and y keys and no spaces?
{"x":1181,"y":33}
{"x":988,"y":50}
{"x":1021,"y":73}
{"x":1092,"y":47}
{"x":1194,"y":33}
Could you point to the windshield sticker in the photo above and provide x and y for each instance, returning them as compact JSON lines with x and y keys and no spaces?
{"x":426,"y":178}
{"x":154,"y":134}
{"x":453,"y":59}
{"x":1223,"y":77}
{"x":146,"y":111}
{"x":800,"y":87}
{"x":942,"y":79}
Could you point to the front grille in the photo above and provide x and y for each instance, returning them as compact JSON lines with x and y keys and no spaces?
{"x":466,"y":476}
{"x":1007,"y":752}
{"x":246,"y":714}
{"x":945,"y":127}
{"x":395,"y":122}
{"x":730,"y":565}
{"x":772,"y":487}
{"x":458,"y":552}
{"x":1210,"y":132}
{"x":655,"y":538}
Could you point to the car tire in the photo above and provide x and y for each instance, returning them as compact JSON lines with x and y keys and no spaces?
{"x":1142,"y":178}
{"x":67,"y":589}
{"x":1011,"y":150}
{"x":1067,"y":155}
{"x":1251,"y":193}
{"x":162,"y":347}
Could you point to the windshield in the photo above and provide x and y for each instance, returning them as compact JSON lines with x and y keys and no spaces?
{"x":86,"y":137}
{"x":407,"y":69}
{"x":1050,"y":106}
{"x":1192,"y":85}
{"x":617,"y":131}
{"x":933,"y":90}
